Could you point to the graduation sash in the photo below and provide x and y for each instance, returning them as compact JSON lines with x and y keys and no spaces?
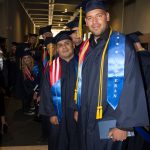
{"x":82,"y":54}
{"x":116,"y":61}
{"x":55,"y":84}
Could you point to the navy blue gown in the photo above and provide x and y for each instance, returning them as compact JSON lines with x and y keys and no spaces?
{"x":131,"y":110}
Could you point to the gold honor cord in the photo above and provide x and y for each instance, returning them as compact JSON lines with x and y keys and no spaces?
{"x":85,"y":47}
{"x":50,"y":48}
{"x":80,"y":23}
{"x":99,"y":113}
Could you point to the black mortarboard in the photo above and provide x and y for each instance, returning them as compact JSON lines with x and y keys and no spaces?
{"x":134,"y":36}
{"x":14,"y":43}
{"x":74,"y":23}
{"x":26,"y":53}
{"x":63,"y":35}
{"x":32,"y":34}
{"x":48,"y":41}
{"x":41,"y":41}
{"x":45,"y":29}
{"x":89,"y":5}
{"x":2,"y":39}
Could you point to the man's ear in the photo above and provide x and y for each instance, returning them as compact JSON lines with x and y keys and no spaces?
{"x":86,"y":22}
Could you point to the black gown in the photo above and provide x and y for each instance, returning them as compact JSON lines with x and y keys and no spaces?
{"x":131,"y":110}
{"x":144,"y":59}
{"x":64,"y":135}
{"x":77,"y":49}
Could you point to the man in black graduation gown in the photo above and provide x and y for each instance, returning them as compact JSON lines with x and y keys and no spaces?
{"x":63,"y":128}
{"x":74,"y":25}
{"x":99,"y":103}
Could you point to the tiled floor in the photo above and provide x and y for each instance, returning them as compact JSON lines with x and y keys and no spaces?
{"x":43,"y":147}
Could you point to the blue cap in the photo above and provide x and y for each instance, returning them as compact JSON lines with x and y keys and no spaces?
{"x":89,"y":5}
{"x":45,"y":29}
{"x":134,"y":36}
{"x":63,"y":35}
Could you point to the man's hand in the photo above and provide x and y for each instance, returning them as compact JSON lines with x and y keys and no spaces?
{"x":54,"y":120}
{"x":117,"y":134}
{"x":76,"y":116}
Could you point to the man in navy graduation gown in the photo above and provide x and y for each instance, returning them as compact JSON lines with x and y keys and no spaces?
{"x":77,"y":40}
{"x":63,"y":128}
{"x":131,"y":109}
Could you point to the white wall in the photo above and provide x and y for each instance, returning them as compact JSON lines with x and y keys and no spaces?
{"x":137,"y":17}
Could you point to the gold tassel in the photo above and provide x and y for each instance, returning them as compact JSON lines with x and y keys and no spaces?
{"x":75,"y":96}
{"x":99,"y":112}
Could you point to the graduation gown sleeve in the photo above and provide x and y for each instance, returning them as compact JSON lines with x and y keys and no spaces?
{"x":46,"y":104}
{"x":132,"y":107}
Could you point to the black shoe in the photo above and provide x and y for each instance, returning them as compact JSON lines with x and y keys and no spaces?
{"x":4,"y":128}
{"x":29,"y":113}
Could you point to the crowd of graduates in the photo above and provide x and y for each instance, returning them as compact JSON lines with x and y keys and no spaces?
{"x":59,"y":82}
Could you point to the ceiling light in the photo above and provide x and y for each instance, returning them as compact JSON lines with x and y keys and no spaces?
{"x":61,"y":19}
{"x":59,"y":25}
{"x":66,"y":10}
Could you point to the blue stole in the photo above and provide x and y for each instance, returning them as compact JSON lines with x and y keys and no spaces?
{"x":55,"y":83}
{"x":116,"y":62}
{"x":115,"y":79}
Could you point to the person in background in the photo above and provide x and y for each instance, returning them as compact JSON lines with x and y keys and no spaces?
{"x":12,"y":67}
{"x":77,"y":40}
{"x":22,"y":48}
{"x":3,"y":86}
{"x":138,"y":142}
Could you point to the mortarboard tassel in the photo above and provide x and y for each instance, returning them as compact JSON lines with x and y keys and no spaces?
{"x":49,"y":46}
{"x":99,"y":112}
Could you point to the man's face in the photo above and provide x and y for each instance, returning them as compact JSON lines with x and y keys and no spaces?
{"x":32,"y":40}
{"x":97,"y":21}
{"x":65,"y":49}
{"x":75,"y":36}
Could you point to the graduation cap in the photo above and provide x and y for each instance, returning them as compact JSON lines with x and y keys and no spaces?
{"x":63,"y":35}
{"x":45,"y":29}
{"x":89,"y":5}
{"x":134,"y":36}
{"x":49,"y":40}
{"x":2,"y":39}
{"x":26,"y":53}
{"x":32,"y":34}
{"x":15,"y":43}
{"x":74,"y":23}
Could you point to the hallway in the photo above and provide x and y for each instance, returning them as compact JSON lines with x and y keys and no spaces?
{"x":22,"y":130}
